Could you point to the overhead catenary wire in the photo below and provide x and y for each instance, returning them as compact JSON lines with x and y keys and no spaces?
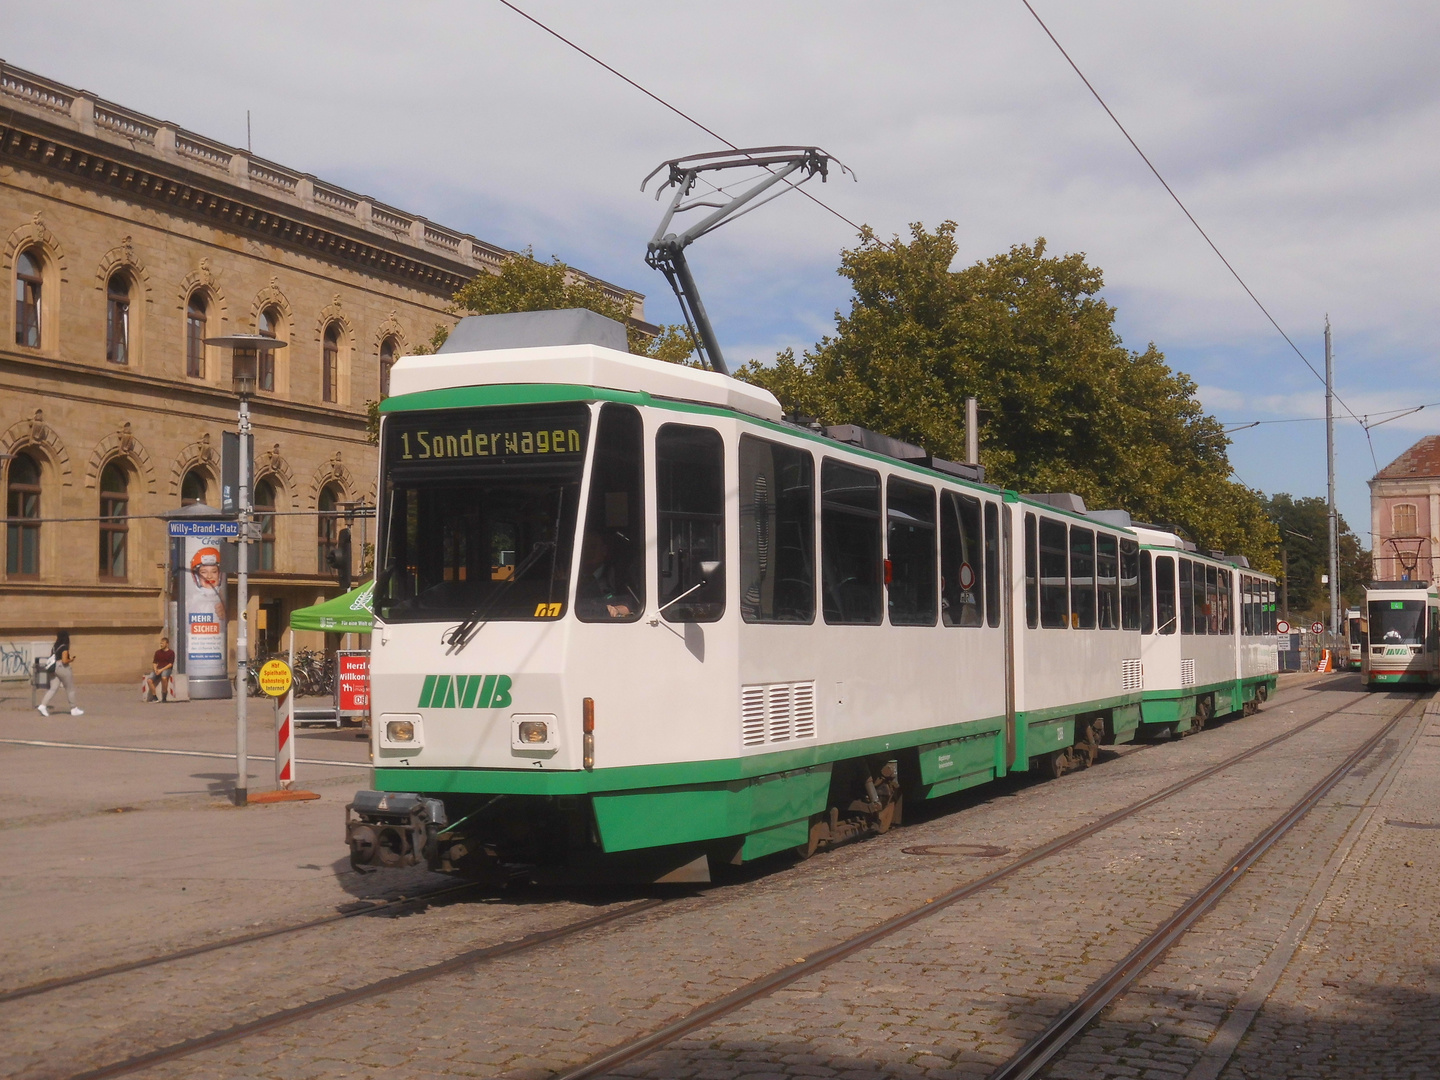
{"x":665,"y":104}
{"x":1386,"y":416}
{"x":1191,"y":217}
{"x":859,"y":229}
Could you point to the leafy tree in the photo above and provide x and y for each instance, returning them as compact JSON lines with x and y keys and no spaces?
{"x":1304,"y":533}
{"x":1066,"y":407}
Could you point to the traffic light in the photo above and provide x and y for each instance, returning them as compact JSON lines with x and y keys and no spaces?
{"x":339,"y":558}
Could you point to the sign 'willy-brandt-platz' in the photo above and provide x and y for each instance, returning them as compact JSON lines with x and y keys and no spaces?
{"x":203,"y":635}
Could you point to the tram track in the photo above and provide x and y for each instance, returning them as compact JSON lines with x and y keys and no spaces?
{"x":1169,"y":931}
{"x":379,"y":907}
{"x":375,"y":907}
{"x":1076,"y":1017}
{"x":703,"y":1014}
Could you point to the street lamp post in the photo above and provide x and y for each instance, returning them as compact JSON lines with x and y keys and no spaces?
{"x":245,"y":350}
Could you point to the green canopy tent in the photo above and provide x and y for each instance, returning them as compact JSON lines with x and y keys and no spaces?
{"x":348,"y":614}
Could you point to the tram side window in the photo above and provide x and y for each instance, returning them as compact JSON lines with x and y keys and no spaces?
{"x":1082,"y":579}
{"x":1147,"y":594}
{"x":1129,"y":585}
{"x":992,"y":564}
{"x":1165,"y":605}
{"x":1107,"y":581}
{"x":1054,"y":579}
{"x":690,"y":512}
{"x":960,"y":568}
{"x":851,"y":572}
{"x":777,"y":532}
{"x":1212,"y":602}
{"x":1247,"y":616}
{"x":1227,"y":595}
{"x":1032,"y":574}
{"x":910,"y":513}
{"x":1187,"y":597}
{"x":611,"y":583}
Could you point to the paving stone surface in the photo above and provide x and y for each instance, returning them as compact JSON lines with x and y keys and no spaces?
{"x":950,"y":996}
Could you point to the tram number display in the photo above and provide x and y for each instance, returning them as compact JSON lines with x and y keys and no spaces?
{"x":467,"y":442}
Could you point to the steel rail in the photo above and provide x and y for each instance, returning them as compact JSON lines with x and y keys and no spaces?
{"x":704,"y":1015}
{"x":226,"y":943}
{"x":755,"y":990}
{"x":1061,"y":1031}
{"x":469,"y":958}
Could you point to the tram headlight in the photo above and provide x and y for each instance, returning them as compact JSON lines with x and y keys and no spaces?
{"x":534,"y":733}
{"x":401,"y":731}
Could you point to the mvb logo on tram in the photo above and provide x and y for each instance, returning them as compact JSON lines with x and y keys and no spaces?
{"x":465,"y":692}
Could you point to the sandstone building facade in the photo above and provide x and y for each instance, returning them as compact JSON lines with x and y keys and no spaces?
{"x":126,"y":241}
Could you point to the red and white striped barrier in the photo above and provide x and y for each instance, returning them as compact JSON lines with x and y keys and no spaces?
{"x":285,"y":732}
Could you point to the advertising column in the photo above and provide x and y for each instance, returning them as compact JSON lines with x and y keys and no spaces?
{"x":202,"y":631}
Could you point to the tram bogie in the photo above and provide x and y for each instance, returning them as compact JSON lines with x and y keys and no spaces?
{"x":629,"y":620}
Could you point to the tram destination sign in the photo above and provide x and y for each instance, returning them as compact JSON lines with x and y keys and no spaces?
{"x":487,"y":436}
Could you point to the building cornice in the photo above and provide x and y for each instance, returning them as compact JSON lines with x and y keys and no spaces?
{"x":119,"y":380}
{"x":56,"y":129}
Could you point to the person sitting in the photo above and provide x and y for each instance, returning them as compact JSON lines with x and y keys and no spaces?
{"x":157,"y":684}
{"x":601,"y":592}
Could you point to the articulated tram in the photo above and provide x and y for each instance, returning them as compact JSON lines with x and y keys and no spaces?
{"x":1403,"y":627}
{"x":629,"y":620}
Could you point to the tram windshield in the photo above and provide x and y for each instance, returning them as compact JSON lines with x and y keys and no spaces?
{"x":478,"y":512}
{"x":1397,"y":622}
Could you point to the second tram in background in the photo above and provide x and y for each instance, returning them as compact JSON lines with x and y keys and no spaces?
{"x":1403,"y":630}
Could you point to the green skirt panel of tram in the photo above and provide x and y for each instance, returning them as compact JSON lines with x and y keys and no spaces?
{"x":1179,"y":708}
{"x":768,"y":800}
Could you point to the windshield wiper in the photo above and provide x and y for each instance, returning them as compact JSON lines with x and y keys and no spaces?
{"x":460,"y":636}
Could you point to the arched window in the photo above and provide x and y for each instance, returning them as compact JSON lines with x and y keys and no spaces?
{"x":264,"y":503}
{"x":1402,"y":518}
{"x":330,"y":366}
{"x":117,"y":318}
{"x":22,"y":507}
{"x":195,"y":312}
{"x":268,"y":326}
{"x":114,"y":528}
{"x":387,"y":361}
{"x":29,"y":279}
{"x":328,"y":525}
{"x":194,"y":488}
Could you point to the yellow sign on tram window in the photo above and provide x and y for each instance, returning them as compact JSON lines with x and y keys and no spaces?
{"x":274,"y":678}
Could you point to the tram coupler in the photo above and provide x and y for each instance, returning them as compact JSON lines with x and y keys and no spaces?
{"x":392,"y":829}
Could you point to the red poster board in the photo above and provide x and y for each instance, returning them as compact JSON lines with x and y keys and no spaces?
{"x":352,"y":683}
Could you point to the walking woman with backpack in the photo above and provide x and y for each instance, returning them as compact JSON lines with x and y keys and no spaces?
{"x":62,"y":659}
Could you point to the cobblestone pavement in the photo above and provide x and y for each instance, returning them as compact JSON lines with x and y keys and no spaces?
{"x":1184,"y":1017}
{"x":951,"y":996}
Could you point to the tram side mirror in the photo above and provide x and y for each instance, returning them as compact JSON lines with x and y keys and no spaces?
{"x":709,"y":568}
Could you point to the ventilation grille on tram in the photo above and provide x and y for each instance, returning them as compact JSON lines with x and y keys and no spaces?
{"x":1132,"y":674}
{"x":1187,"y":672}
{"x":777,"y":712}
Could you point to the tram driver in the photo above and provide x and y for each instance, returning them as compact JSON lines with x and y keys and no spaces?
{"x":603,"y":591}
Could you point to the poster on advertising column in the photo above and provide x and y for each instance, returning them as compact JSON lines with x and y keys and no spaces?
{"x":204,"y":610}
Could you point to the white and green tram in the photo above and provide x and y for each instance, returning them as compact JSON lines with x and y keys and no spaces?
{"x":628,"y":619}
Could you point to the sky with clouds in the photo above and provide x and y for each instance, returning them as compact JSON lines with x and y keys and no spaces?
{"x":1302,"y":136}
